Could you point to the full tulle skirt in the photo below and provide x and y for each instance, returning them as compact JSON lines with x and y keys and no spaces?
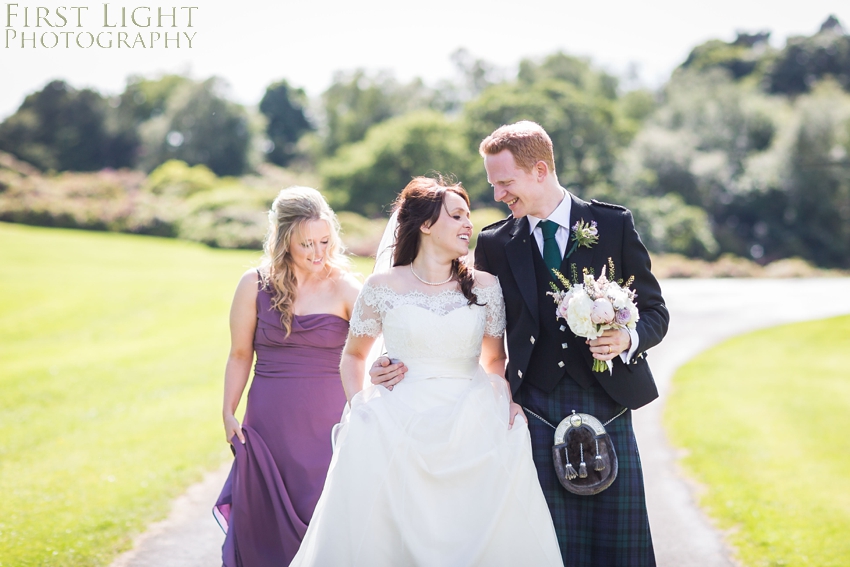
{"x":429,"y":474}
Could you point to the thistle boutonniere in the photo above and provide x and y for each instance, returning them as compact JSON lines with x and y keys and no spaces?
{"x":583,"y":234}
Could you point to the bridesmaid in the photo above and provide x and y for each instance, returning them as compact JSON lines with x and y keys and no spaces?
{"x":293,"y":314}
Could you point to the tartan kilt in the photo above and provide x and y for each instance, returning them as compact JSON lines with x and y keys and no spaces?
{"x":609,"y":529}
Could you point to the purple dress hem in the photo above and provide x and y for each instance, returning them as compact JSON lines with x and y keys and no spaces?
{"x":277,"y":476}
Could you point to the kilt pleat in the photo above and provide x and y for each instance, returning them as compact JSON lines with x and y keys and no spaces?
{"x":609,"y":529}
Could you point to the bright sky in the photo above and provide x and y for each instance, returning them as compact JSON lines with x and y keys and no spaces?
{"x":254,"y":43}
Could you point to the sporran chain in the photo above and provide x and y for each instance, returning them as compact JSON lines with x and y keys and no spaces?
{"x":528,"y":411}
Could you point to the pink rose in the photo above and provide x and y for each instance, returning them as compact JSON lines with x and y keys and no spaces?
{"x":602,"y":312}
{"x":561,"y":310}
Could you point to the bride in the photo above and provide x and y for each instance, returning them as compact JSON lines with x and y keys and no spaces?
{"x":435,"y":470}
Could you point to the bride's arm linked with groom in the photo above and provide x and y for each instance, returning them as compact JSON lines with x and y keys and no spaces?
{"x":549,"y":368}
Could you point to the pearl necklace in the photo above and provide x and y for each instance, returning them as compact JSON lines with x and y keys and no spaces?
{"x":451,"y":277}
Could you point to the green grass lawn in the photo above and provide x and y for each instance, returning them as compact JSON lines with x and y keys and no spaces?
{"x":764,"y":419}
{"x":112,"y":351}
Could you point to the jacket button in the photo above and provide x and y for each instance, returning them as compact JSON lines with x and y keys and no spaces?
{"x":564,"y":345}
{"x":561,"y":364}
{"x":532,"y":340}
{"x":563,"y":328}
{"x":519,"y":372}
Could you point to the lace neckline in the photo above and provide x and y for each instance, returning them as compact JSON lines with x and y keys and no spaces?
{"x":377,"y":300}
{"x":417,"y":293}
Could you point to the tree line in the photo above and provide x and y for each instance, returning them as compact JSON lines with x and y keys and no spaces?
{"x":744,"y":150}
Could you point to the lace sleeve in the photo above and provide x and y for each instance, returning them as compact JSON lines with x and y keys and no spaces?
{"x":366,"y":316}
{"x":492,"y":296}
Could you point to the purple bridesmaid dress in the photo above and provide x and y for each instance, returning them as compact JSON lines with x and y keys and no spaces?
{"x":294,"y":401}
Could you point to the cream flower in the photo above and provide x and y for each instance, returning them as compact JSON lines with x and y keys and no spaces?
{"x":578,"y":315}
{"x":635,"y":316}
{"x":618,"y":296}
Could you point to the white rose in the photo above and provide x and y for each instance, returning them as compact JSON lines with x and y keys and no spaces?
{"x":578,"y":316}
{"x":619,"y":298}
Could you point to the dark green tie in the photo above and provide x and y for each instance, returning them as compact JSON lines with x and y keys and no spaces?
{"x":551,"y":252}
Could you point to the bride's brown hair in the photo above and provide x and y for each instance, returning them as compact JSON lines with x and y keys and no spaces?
{"x":421,"y":202}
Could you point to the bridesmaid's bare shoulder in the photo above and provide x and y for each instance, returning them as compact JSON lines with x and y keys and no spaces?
{"x":249,"y":280}
{"x":347,"y":285}
{"x":245,"y":297}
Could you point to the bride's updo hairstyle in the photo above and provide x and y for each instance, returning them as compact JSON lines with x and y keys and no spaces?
{"x":291,"y":210}
{"x":420,"y":203}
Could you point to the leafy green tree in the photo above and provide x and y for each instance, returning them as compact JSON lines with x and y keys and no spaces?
{"x":579,"y":106}
{"x":771,"y":173}
{"x":367,"y":176}
{"x":284,"y":108}
{"x":477,"y":74}
{"x":667,"y":224}
{"x":356,"y":101}
{"x":583,"y":127}
{"x":473,"y":76}
{"x":199,"y":126}
{"x":573,"y":70}
{"x":740,"y":58}
{"x":806,"y":60}
{"x":145,"y":98}
{"x":793,"y":70}
{"x":803,"y":201}
{"x":62,"y":128}
{"x":700,"y":146}
{"x":698,"y":142}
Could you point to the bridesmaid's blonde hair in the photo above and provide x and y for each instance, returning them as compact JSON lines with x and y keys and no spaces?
{"x":293,"y":208}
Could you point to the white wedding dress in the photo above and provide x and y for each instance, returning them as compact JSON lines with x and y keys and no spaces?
{"x":429,"y":474}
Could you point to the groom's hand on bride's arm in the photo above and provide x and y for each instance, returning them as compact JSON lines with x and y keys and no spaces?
{"x":386,"y":373}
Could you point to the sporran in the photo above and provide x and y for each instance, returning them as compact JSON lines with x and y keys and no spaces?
{"x":583,"y":454}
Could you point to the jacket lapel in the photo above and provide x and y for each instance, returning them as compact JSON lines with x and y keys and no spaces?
{"x":522,"y":264}
{"x":583,"y":257}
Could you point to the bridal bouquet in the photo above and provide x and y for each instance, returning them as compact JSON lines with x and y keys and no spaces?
{"x":597,"y":304}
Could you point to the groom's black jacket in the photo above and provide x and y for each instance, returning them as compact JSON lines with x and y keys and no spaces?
{"x":543,"y":351}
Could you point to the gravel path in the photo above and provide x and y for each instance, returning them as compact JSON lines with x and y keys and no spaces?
{"x":703,"y":313}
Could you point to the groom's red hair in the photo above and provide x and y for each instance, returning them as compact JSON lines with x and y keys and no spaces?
{"x":527,"y":141}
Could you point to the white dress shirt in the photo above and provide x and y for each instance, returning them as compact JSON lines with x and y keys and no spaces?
{"x":561,"y":216}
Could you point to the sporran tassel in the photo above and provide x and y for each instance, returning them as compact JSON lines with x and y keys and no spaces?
{"x":598,"y":464}
{"x":569,"y":471}
{"x":582,"y":468}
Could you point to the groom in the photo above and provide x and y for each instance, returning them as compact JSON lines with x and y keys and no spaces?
{"x":549,"y":368}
